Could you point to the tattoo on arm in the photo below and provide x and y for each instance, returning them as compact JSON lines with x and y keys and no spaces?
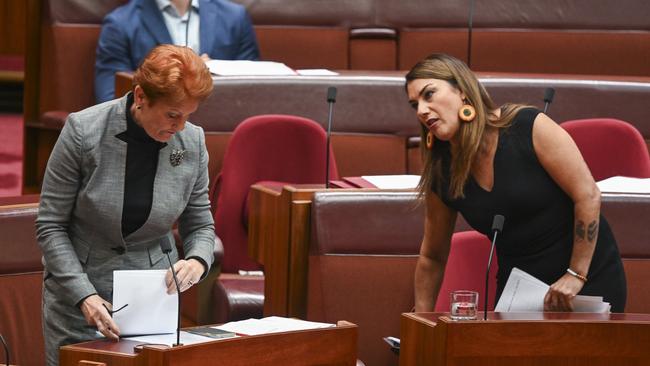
{"x":592,"y":231}
{"x":580,"y":231}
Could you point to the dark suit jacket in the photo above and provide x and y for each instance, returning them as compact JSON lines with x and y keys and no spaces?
{"x":132,"y":30}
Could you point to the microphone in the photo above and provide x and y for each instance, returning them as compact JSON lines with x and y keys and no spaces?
{"x":187,"y":26}
{"x":331,"y":99}
{"x":497,"y":227}
{"x":469,"y":33}
{"x":166,"y":248}
{"x":7,"y":356}
{"x":549,"y":93}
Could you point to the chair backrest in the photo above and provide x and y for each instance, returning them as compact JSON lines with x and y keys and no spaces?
{"x":362,"y":256}
{"x":21,"y":281}
{"x":280,"y":148}
{"x":466,"y":268}
{"x":610,"y":147}
{"x":627,"y":215}
{"x":69,"y":30}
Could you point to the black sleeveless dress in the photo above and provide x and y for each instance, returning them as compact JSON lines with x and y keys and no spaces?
{"x":538,"y":233}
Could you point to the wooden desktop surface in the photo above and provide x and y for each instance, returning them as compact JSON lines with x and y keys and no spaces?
{"x":327,"y":346}
{"x":526,"y":339}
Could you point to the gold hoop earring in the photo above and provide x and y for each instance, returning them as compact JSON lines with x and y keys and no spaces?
{"x":467,"y":113}
{"x":430,"y":140}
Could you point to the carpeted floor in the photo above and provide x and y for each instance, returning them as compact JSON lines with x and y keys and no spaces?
{"x":11,"y":154}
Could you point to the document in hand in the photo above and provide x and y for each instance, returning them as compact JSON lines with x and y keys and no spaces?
{"x":525,"y":293}
{"x":148,"y":309}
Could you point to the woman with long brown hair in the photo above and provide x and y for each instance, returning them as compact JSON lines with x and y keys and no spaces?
{"x":482,"y":160}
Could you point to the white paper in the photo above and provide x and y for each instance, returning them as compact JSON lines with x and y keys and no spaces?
{"x":272,"y":324}
{"x":170,"y":339}
{"x":522,"y":293}
{"x":404,"y":181}
{"x":246,"y":67}
{"x":525,"y":293}
{"x":150,"y":309}
{"x":316,"y":72}
{"x":624,"y":185}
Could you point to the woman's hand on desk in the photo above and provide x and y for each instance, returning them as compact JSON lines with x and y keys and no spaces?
{"x":560,"y":295}
{"x":95,"y":310}
{"x":188,"y":273}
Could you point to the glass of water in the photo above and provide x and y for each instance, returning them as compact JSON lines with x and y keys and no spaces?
{"x":464,"y":305}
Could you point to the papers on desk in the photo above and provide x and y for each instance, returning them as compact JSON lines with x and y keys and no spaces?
{"x":316,"y":72}
{"x":404,"y":181}
{"x":170,"y":339}
{"x":271,"y":324}
{"x":625,"y":185}
{"x":246,"y":67}
{"x":150,"y":309}
{"x":525,"y":293}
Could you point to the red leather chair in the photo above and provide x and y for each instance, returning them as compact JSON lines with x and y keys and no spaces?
{"x":610,"y":147}
{"x":279,"y":148}
{"x":466,"y":268}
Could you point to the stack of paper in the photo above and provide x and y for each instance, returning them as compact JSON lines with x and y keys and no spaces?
{"x":525,"y":293}
{"x":272,"y":324}
{"x":404,"y":181}
{"x":245,"y":67}
{"x":625,"y":185}
{"x":148,"y":308}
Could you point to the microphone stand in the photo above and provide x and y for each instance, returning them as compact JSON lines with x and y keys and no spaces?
{"x":178,"y":293}
{"x":549,"y":93}
{"x":7,"y":355}
{"x":469,"y":33}
{"x":497,"y":226}
{"x":331,"y":99}
{"x":487,"y":276}
{"x":187,"y":26}
{"x":166,"y":248}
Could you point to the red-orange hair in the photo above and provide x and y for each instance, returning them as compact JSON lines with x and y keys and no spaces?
{"x":174,"y":74}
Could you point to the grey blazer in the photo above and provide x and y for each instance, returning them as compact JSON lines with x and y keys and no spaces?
{"x":80,"y":214}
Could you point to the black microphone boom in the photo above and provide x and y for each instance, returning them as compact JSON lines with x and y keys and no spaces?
{"x":470,"y":22}
{"x":331,"y":99}
{"x":187,"y":26}
{"x":497,"y":227}
{"x":166,"y":248}
{"x":7,"y":354}
{"x":549,"y":93}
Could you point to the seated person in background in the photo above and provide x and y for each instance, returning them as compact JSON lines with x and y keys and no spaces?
{"x":119,"y":177}
{"x":482,"y":160}
{"x":215,"y":29}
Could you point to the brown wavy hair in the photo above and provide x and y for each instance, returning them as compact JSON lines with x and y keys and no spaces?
{"x":174,"y":74}
{"x":472,"y":134}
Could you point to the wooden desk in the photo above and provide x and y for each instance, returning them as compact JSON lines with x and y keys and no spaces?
{"x":278,"y":237}
{"x":526,"y":339}
{"x":280,"y":228}
{"x":329,"y":346}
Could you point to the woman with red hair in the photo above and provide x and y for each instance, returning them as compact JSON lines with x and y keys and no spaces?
{"x":121,"y":174}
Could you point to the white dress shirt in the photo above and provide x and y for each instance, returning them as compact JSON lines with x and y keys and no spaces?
{"x":183,"y":33}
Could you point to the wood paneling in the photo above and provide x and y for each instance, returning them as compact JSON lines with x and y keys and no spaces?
{"x":13,"y":18}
